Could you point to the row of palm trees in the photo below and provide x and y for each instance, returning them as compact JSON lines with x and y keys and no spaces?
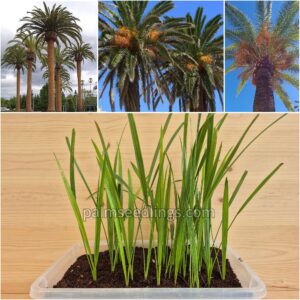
{"x":145,"y":54}
{"x":65,"y":50}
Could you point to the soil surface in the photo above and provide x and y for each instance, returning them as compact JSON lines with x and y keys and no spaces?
{"x":79,"y":275}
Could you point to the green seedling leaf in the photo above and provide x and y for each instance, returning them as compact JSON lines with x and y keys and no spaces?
{"x":225,"y":217}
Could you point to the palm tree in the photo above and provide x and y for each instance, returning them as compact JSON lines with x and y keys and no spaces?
{"x":14,"y":57}
{"x":80,"y":52}
{"x":52,"y":25}
{"x":198,"y":69}
{"x":29,"y":42}
{"x":133,"y":48}
{"x":266,"y":53}
{"x":62,"y":84}
{"x":62,"y":62}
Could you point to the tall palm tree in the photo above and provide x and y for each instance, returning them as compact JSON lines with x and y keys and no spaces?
{"x":198,"y":69}
{"x":52,"y":25}
{"x":14,"y":57}
{"x":266,"y":53}
{"x":80,"y":52}
{"x":62,"y":62}
{"x":133,"y":47}
{"x":25,"y":39}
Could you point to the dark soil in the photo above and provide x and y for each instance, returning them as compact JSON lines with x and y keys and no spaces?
{"x":79,"y":275}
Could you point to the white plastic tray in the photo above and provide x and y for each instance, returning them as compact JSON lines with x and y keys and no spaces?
{"x":42,"y":288}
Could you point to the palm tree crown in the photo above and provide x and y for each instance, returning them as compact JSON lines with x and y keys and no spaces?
{"x":273,"y":47}
{"x":14,"y":58}
{"x":55,"y":23}
{"x":81,"y":51}
{"x":198,"y":71}
{"x":29,"y":42}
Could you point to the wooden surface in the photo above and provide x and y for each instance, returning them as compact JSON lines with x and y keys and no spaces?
{"x":38,"y":225}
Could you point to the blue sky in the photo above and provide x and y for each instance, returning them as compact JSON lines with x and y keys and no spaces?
{"x":211,"y":9}
{"x":244,"y":101}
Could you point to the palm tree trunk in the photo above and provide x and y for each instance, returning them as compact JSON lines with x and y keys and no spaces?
{"x":51,"y":78}
{"x":264,"y":95}
{"x":132,"y":102}
{"x":111,"y":98}
{"x":56,"y":90}
{"x":191,"y":105}
{"x":18,"y":104}
{"x":58,"y":101}
{"x":29,"y":89}
{"x":200,"y":106}
{"x":201,"y":103}
{"x":79,"y":99}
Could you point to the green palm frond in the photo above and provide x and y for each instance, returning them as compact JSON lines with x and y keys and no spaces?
{"x":294,"y":81}
{"x":284,"y":98}
{"x":263,"y":13}
{"x":293,"y":69}
{"x":286,"y":17}
{"x":240,"y":21}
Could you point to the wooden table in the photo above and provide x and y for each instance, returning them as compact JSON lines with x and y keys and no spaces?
{"x":38,"y":225}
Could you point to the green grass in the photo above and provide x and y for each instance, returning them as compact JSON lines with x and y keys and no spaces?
{"x":192,"y":242}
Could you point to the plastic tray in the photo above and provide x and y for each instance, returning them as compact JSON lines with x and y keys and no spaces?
{"x":42,"y":288}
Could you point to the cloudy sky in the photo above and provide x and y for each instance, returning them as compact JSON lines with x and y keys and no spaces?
{"x":10,"y":14}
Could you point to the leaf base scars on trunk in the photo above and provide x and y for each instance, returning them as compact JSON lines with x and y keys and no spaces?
{"x":51,"y":80}
{"x":132,"y":98}
{"x":201,"y":104}
{"x":29,"y":80}
{"x":264,"y":95}
{"x":18,"y":102}
{"x":79,"y":95}
{"x":58,"y":100}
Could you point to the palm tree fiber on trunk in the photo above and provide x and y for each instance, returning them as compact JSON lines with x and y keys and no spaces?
{"x":51,"y":71}
{"x":29,"y":80}
{"x":264,"y":95}
{"x":18,"y":104}
{"x":79,"y":101}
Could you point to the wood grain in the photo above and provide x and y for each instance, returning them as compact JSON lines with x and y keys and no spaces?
{"x":38,"y":225}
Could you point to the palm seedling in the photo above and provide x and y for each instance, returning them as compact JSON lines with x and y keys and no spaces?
{"x":264,"y":52}
{"x":80,"y":52}
{"x":52,"y":25}
{"x":32,"y":48}
{"x":198,"y":70}
{"x":14,"y":57}
{"x":134,"y":46}
{"x":187,"y":246}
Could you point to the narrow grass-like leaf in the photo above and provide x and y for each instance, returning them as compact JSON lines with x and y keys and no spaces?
{"x":256,"y":190}
{"x":78,"y":217}
{"x":225,"y":216}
